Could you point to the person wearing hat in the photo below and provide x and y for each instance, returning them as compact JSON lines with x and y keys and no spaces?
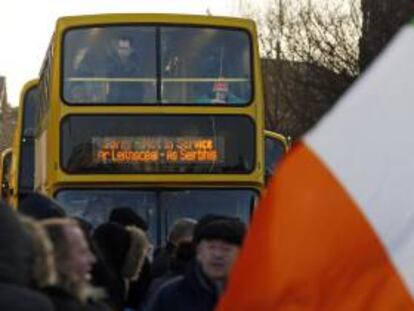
{"x":217,"y":243}
{"x":39,"y":207}
{"x":126,"y":216}
{"x":220,"y":94}
{"x":181,"y":231}
{"x":123,"y":249}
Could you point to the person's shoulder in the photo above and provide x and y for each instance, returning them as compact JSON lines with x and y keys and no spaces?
{"x":19,"y":298}
{"x":171,"y":286}
{"x":96,"y":306}
{"x":165,"y":294}
{"x":61,"y":299}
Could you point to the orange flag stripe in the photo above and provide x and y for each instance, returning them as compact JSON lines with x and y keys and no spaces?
{"x":309,"y":252}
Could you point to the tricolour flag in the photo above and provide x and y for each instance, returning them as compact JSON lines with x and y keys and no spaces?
{"x":336,"y":228}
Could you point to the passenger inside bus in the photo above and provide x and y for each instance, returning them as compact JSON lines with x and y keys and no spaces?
{"x":220,"y":94}
{"x":124,"y":63}
{"x":84,"y":66}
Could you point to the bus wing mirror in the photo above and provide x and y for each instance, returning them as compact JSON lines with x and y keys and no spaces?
{"x":276,"y":145}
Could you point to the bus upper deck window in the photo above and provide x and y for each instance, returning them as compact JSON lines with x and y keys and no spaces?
{"x":213,"y":68}
{"x":196,"y":65}
{"x":110,"y":65}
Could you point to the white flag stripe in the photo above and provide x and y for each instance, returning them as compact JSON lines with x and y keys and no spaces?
{"x":367,"y":141}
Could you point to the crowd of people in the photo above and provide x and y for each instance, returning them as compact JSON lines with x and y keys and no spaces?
{"x":50,"y":261}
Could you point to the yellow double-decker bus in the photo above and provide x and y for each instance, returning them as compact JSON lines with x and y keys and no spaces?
{"x":160,"y":113}
{"x":21,"y":177}
{"x":5,"y":163}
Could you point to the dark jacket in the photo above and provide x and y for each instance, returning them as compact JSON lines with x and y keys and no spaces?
{"x":125,"y":92}
{"x":104,"y":277}
{"x":63,"y":301}
{"x":138,"y":289}
{"x":19,"y":298}
{"x":16,"y":264}
{"x":162,"y":259}
{"x":123,"y":251}
{"x":178,"y":263}
{"x":191,"y":292}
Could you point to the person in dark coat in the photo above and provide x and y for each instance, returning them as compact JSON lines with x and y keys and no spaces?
{"x":74,"y":261}
{"x":178,"y":264}
{"x":124,"y":62}
{"x":16,"y":264}
{"x":123,"y":249}
{"x":181,"y":231}
{"x":125,"y":216}
{"x":217,"y":245}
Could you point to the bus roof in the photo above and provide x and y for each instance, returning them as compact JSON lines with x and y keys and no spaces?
{"x":205,"y":20}
{"x":27,"y":86}
{"x":6,"y":152}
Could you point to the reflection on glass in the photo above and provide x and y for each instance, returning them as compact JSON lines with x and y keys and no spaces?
{"x":95,"y":206}
{"x":213,"y":68}
{"x":161,"y":209}
{"x":31,"y":106}
{"x":110,"y":65}
{"x":27,"y":145}
{"x":197,"y":203}
{"x":117,"y":64}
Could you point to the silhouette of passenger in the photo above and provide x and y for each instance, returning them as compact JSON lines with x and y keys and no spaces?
{"x":125,"y":64}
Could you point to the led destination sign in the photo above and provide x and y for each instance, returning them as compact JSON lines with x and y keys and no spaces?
{"x":162,"y":150}
{"x":155,"y":144}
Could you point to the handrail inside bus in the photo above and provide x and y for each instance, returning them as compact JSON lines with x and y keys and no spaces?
{"x":138,"y":79}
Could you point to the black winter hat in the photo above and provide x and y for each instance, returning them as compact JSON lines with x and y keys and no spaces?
{"x":113,"y":241}
{"x":125,"y":216}
{"x":40,"y":207}
{"x":214,"y":227}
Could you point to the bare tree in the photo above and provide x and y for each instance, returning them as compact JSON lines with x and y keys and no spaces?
{"x":310,"y":56}
{"x":8,"y":118}
{"x":381,"y":20}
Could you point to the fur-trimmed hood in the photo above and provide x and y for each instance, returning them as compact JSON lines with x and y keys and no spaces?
{"x":122,"y":248}
{"x":137,"y":251}
{"x":44,"y":269}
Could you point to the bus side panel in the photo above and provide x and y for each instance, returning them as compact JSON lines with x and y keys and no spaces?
{"x":41,"y":159}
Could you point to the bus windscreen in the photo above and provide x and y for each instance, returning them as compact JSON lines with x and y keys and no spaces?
{"x":168,"y":65}
{"x":157,"y":144}
{"x":27,"y":144}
